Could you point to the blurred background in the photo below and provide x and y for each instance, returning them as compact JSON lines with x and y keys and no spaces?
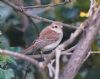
{"x":18,"y":31}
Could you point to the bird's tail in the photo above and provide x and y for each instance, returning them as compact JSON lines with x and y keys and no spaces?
{"x":28,"y":50}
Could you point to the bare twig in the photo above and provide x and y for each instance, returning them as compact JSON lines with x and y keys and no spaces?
{"x":92,"y":6}
{"x":20,"y":56}
{"x":89,"y":53}
{"x":58,"y":53}
{"x":67,"y":52}
{"x":24,"y":57}
{"x":24,"y":18}
{"x":48,"y":59}
{"x":52,"y":54}
{"x":35,"y":17}
{"x":51,"y":68}
{"x":49,"y":5}
{"x":46,"y":55}
{"x":95,"y":52}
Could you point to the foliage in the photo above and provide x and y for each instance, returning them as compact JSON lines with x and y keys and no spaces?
{"x":6,"y":74}
{"x":12,"y":38}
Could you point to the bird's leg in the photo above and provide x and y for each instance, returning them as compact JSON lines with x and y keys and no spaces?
{"x":41,"y":52}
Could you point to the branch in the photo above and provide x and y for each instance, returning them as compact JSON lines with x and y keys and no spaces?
{"x":24,"y":57}
{"x":35,"y":17}
{"x":49,"y":5}
{"x":58,"y":53}
{"x":67,"y":42}
{"x":52,"y":54}
{"x":20,"y":56}
{"x":77,"y":58}
{"x":25,"y":19}
{"x":95,"y":52}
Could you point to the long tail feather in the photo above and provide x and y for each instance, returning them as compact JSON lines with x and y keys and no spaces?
{"x":28,"y":50}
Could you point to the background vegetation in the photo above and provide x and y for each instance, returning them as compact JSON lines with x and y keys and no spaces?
{"x":16,"y":33}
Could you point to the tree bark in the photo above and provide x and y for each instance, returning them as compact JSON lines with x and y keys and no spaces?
{"x":83,"y":47}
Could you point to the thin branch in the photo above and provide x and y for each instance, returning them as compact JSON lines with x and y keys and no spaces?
{"x":46,"y":55}
{"x":89,"y":53}
{"x":92,"y":6}
{"x":35,"y":17}
{"x":24,"y":57}
{"x":24,"y":18}
{"x":58,"y":54}
{"x":49,"y":5}
{"x":48,"y":58}
{"x":52,"y":54}
{"x":95,"y":52}
{"x":51,"y":68}
{"x":67,"y":52}
{"x":20,"y":56}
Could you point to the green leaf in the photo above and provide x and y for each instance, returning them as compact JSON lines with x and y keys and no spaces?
{"x":9,"y":74}
{"x":5,"y":59}
{"x":2,"y":76}
{"x":11,"y":60}
{"x":2,"y":64}
{"x":6,"y":74}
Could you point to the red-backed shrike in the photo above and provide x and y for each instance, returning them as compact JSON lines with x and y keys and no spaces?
{"x":49,"y":38}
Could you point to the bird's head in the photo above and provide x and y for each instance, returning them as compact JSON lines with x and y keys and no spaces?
{"x":56,"y":26}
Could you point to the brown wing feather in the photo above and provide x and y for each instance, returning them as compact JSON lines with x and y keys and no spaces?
{"x":49,"y":34}
{"x":46,"y":37}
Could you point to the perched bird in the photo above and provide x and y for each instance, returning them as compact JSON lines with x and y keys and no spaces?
{"x":49,"y":38}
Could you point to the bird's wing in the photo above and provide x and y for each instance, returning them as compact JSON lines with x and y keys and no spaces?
{"x":48,"y":35}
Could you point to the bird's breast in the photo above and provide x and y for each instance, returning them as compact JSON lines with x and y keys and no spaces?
{"x":53,"y":45}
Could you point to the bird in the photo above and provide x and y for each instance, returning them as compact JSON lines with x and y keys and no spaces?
{"x":49,"y":38}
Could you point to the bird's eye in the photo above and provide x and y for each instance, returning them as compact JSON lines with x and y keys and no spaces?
{"x":55,"y":26}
